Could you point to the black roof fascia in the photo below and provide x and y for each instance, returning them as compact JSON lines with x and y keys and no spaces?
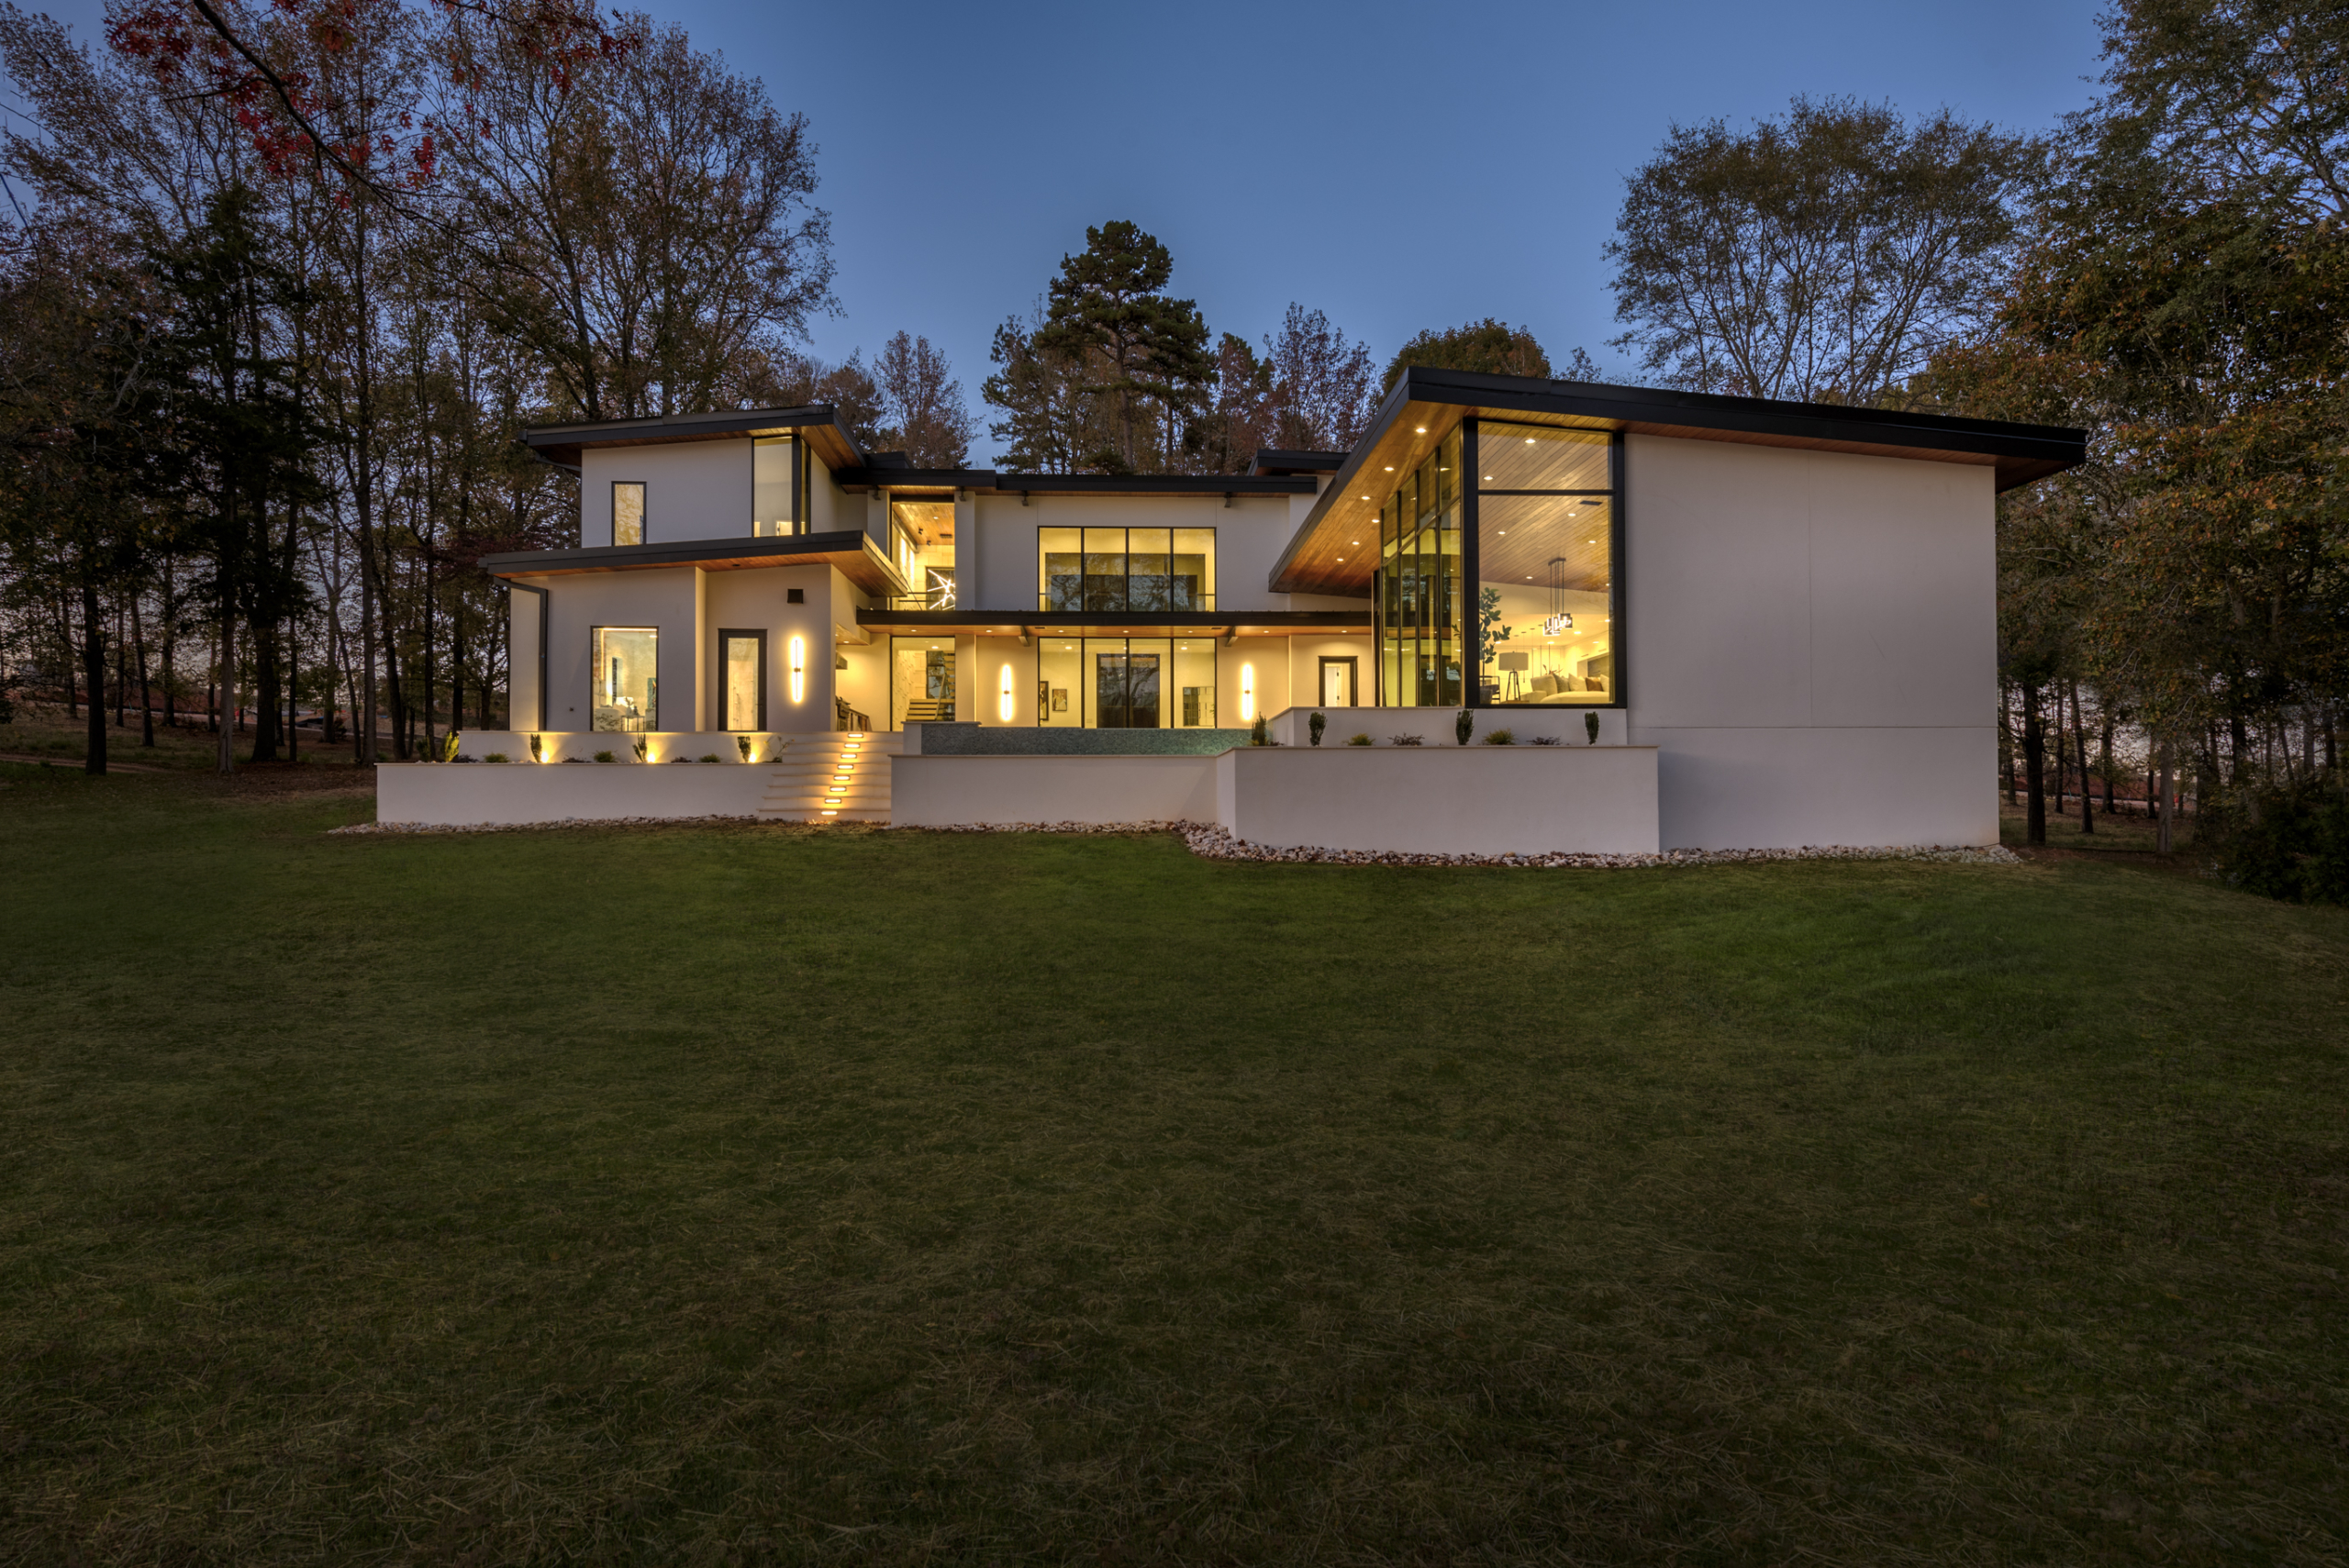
{"x":873,"y":476}
{"x":1269,"y":459}
{"x":725,"y":422}
{"x":1718,"y":411}
{"x":684,"y":554}
{"x":1151,"y":485}
{"x":1206,"y":620}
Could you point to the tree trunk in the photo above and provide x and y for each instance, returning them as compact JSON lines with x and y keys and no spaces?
{"x":225,"y":762}
{"x":93,"y":671}
{"x":2034,"y":772}
{"x":2107,"y":766}
{"x":265,"y":682}
{"x":2080,"y":747}
{"x":146,"y":694}
{"x":2162,"y":835}
{"x":171,"y":644}
{"x":292,"y":693}
{"x":121,"y":673}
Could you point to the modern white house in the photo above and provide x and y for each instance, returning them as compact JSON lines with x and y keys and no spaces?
{"x":1699,"y":621}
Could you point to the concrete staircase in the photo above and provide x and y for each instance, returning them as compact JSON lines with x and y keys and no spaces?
{"x":832,"y":778}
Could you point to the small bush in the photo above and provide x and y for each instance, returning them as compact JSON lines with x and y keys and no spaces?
{"x":1256,"y":731}
{"x":1405,"y":741}
{"x":742,"y":744}
{"x":1318,"y":723}
{"x":1590,"y":727}
{"x":709,"y":756}
{"x":1359,"y":740}
{"x":494,"y":757}
{"x":606,"y":757}
{"x":688,"y":761}
{"x":1464,"y":726}
{"x":2287,"y":843}
{"x":1547,"y":741}
{"x":1501,"y":738}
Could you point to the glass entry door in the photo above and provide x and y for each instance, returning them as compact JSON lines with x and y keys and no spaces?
{"x":743,"y":665}
{"x":1125,"y":688}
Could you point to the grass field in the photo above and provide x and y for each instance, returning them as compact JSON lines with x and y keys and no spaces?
{"x":766,"y":1195}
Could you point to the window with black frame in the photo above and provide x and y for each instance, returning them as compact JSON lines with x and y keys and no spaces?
{"x":1418,"y":588}
{"x":1545,"y":565}
{"x":1113,"y":571}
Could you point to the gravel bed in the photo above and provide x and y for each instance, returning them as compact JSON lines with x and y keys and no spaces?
{"x":1210,"y":842}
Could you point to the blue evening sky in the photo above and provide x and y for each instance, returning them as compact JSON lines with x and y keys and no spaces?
{"x":1397,"y":166}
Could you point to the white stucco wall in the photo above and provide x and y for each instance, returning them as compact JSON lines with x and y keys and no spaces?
{"x":1811,"y":644}
{"x":668,"y":599}
{"x":941,"y":792}
{"x":443,"y":795}
{"x":1001,"y":538}
{"x":693,"y":490}
{"x":1475,"y":800}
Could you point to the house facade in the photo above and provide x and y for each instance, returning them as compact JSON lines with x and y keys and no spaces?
{"x":1788,"y":609}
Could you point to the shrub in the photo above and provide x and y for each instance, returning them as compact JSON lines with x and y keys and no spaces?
{"x":1590,"y":727}
{"x":709,"y":756}
{"x":1317,"y":724}
{"x":606,"y":757}
{"x":1359,"y":740}
{"x":2290,"y":844}
{"x":686,"y":760}
{"x":1547,"y":741}
{"x":742,"y":744}
{"x":641,"y":747}
{"x":1501,"y":738}
{"x":1406,"y":740}
{"x":538,"y":748}
{"x":1256,"y":731}
{"x":1464,"y":726}
{"x":494,"y":757}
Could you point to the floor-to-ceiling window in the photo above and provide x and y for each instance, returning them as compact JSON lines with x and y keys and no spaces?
{"x":1545,"y":564}
{"x":921,"y":537}
{"x":921,"y":680}
{"x":1418,"y":589}
{"x":1105,"y":571}
{"x":780,"y":485}
{"x":1126,"y":682}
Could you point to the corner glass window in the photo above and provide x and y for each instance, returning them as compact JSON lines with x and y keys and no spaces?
{"x":1109,"y":571}
{"x":1417,"y":595}
{"x":778,"y":487}
{"x":627,"y":511}
{"x":627,"y":694}
{"x":1545,"y":565}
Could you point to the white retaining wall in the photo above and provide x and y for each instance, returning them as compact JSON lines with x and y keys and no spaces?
{"x":442,"y":793}
{"x":949,"y":792}
{"x":1478,"y":800}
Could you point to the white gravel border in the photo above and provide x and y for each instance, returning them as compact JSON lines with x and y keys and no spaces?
{"x":1210,"y":842}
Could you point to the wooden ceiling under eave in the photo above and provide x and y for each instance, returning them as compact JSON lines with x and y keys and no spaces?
{"x":1339,"y":553}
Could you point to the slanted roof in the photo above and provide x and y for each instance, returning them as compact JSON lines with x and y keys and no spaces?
{"x":818,"y":422}
{"x":1426,"y":404}
{"x":1271,"y":460}
{"x":858,"y":558}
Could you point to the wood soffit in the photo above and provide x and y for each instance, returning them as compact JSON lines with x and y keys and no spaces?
{"x":1336,"y":550}
{"x":859,"y":560}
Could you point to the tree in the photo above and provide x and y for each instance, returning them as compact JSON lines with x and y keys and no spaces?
{"x":1320,"y":392}
{"x":1489,"y":347}
{"x":1047,"y":414}
{"x":1138,"y":352}
{"x":923,"y":404}
{"x":1240,"y":422}
{"x":1824,"y":257}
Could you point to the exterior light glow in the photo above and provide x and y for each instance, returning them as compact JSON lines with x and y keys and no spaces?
{"x":1390,"y":468}
{"x":1423,"y":429}
{"x":1003,"y":697}
{"x":1247,"y":693}
{"x":798,"y":670}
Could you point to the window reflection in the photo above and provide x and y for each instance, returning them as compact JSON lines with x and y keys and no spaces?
{"x":627,"y":694}
{"x":1110,"y":571}
{"x":627,"y":511}
{"x":1544,"y":566}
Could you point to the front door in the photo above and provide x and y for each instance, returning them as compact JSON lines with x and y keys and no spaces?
{"x":1125,"y":691}
{"x":1336,"y":681}
{"x":743,"y":672}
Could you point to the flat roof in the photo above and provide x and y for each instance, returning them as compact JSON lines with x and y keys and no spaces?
{"x":1426,"y":404}
{"x":818,"y":422}
{"x":858,"y":558}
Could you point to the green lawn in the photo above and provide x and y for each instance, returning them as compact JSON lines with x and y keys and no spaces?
{"x":738,"y":1195}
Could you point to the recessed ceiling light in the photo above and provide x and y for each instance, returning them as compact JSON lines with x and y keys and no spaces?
{"x":1529,"y":441}
{"x":1423,"y":429}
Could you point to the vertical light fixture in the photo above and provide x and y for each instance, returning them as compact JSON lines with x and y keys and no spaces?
{"x":798,"y":670}
{"x":1247,"y":693}
{"x":1003,"y":697}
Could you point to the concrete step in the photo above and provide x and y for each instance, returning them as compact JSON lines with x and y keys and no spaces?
{"x":832,"y":778}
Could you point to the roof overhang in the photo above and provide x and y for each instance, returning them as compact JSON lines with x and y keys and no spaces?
{"x":859,"y":559}
{"x":1125,"y":623}
{"x":1425,"y":406}
{"x":818,"y":423}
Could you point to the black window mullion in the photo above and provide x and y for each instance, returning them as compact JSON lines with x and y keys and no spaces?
{"x":1472,"y":575}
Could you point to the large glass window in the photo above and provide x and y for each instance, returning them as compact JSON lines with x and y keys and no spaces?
{"x":921,"y":680}
{"x":1082,"y":571}
{"x":1418,"y":587}
{"x":1545,"y":553}
{"x":626,"y":696}
{"x":742,"y":674}
{"x":1126,"y":682}
{"x":627,"y":511}
{"x":921,"y":535}
{"x":779,"y":486}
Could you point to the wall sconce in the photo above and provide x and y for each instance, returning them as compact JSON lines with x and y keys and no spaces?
{"x":798,"y":670}
{"x":1003,"y":697}
{"x":1247,"y":693}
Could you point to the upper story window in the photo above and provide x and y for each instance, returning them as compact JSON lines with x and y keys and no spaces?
{"x":780,"y":485}
{"x":627,"y":511}
{"x":1085,"y":570}
{"x":922,"y":542}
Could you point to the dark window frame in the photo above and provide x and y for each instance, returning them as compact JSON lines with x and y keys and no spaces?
{"x":759,"y":633}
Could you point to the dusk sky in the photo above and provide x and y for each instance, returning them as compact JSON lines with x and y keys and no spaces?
{"x":1399,"y":167}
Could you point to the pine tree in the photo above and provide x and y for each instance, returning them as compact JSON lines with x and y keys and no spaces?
{"x":1110,"y":317}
